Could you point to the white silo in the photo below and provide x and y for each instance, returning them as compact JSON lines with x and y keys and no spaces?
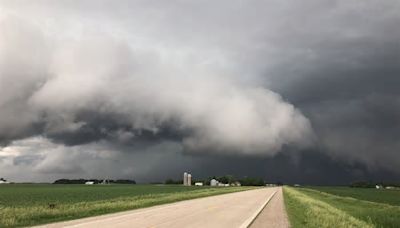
{"x":189,"y":179}
{"x":185,"y":178}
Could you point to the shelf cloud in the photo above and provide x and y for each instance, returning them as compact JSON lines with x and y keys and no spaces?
{"x":99,"y":88}
{"x":198,"y":82}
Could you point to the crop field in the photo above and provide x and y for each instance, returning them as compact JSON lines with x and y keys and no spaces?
{"x":391,"y":197}
{"x":33,"y":204}
{"x":342,"y":207}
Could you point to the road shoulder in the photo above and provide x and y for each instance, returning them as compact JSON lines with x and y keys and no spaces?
{"x":274,"y":214}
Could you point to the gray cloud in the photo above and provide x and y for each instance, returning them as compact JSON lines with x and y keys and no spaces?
{"x":147,"y":88}
{"x":219,"y":80}
{"x":346,"y":81}
{"x":158,"y":162}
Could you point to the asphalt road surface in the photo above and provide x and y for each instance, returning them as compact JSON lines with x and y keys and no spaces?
{"x":229,"y":210}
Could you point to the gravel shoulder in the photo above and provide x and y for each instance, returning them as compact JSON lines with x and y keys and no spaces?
{"x":274,"y":214}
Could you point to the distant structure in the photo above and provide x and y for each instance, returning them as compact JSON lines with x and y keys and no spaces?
{"x":378,"y":186}
{"x":3,"y":181}
{"x":89,"y":182}
{"x":236,"y":183}
{"x":187,"y":179}
{"x":198,"y":184}
{"x":214,"y":182}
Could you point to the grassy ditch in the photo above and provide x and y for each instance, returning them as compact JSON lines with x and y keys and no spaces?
{"x":312,"y":208}
{"x":305,"y":211}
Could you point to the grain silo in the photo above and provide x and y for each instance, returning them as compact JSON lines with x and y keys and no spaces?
{"x":185,"y":178}
{"x":189,"y":179}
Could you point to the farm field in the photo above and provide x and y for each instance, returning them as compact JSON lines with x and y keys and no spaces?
{"x":309,"y":207}
{"x":391,"y":197}
{"x":33,"y":204}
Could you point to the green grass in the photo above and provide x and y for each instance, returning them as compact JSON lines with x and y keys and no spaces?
{"x":26,"y":205}
{"x":305,"y":211}
{"x":39,"y":194}
{"x":391,"y":197}
{"x":312,"y":208}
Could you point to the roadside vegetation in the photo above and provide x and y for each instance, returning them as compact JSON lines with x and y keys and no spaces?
{"x":312,"y":208}
{"x":27,"y":205}
{"x":305,"y":211}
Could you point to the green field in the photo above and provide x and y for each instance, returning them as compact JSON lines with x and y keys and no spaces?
{"x":391,"y":197}
{"x":342,"y":207}
{"x":32,"y":204}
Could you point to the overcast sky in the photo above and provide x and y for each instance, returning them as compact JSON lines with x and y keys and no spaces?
{"x":292,"y":91}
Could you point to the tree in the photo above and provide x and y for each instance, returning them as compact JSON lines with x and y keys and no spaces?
{"x":251,"y":181}
{"x":172,"y":181}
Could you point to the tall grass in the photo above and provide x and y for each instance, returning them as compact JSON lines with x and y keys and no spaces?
{"x":304,"y":211}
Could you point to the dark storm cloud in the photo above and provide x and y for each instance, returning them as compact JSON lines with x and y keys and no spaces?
{"x":162,"y":161}
{"x":184,"y":85}
{"x":349,"y":89}
{"x":310,"y":167}
{"x":96,"y":128}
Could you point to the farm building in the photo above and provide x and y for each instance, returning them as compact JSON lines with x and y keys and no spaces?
{"x":236,"y":183}
{"x":214,"y":182}
{"x":198,"y":184}
{"x":187,"y":179}
{"x":89,"y":182}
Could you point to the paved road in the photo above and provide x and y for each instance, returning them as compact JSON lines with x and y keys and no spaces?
{"x":274,"y":214}
{"x":228,"y":210}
